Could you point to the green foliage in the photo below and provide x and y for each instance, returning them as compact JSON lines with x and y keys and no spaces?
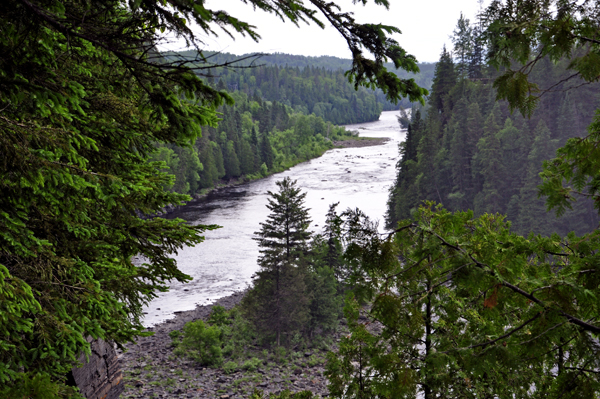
{"x":218,"y":316}
{"x":85,"y":100}
{"x":77,"y":126}
{"x":251,"y":364}
{"x":471,"y":309}
{"x":473,"y":154}
{"x":37,"y":386}
{"x":202,"y":343}
{"x":311,"y":90}
{"x":475,"y":309}
{"x":230,"y":367}
{"x":574,"y":170}
{"x":528,"y":31}
{"x":276,"y":304}
{"x":286,"y":394}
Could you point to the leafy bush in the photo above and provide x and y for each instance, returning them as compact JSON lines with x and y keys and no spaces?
{"x":258,"y":394}
{"x":205,"y":342}
{"x":219,"y":316}
{"x":175,"y":337}
{"x":230,"y":367}
{"x":239,"y":334}
{"x":279,"y":354}
{"x":314,"y":360}
{"x":202,"y":343}
{"x":252,"y":364}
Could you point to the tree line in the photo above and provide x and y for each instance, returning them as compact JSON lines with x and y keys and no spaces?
{"x":310,"y":90}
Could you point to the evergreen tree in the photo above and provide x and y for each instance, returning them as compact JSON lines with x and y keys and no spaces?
{"x":403,"y":195}
{"x":277,"y":304}
{"x":443,"y":81}
{"x":231,"y":161}
{"x":532,"y":209}
{"x":491,"y":169}
{"x":463,"y":45}
{"x":209,"y":174}
{"x":325,"y":304}
{"x":266,"y":151}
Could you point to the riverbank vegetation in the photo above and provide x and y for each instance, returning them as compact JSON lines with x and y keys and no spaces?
{"x":254,"y":139}
{"x":296,"y":296}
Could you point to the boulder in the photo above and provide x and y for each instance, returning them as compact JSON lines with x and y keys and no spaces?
{"x":101,"y":377}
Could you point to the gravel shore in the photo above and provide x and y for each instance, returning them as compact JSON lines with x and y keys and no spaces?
{"x":151,"y":370}
{"x":361,"y":142}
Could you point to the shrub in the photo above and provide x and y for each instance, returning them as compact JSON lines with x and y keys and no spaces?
{"x":252,"y":364}
{"x":175,"y":336}
{"x":257,"y":394}
{"x":202,"y":343}
{"x":314,"y":360}
{"x":219,"y":316}
{"x":230,"y":367}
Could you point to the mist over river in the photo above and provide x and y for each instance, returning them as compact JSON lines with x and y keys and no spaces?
{"x":226,"y":260}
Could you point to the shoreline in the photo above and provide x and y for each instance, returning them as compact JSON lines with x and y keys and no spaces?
{"x":357,"y":142}
{"x":151,"y":370}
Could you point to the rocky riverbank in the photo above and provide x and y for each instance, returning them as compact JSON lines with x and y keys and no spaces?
{"x":354,"y":142}
{"x":361,"y":142}
{"x":151,"y":370}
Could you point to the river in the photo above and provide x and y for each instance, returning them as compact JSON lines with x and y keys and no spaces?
{"x":225,"y":262}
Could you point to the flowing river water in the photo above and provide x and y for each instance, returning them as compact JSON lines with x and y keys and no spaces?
{"x":225,"y":262}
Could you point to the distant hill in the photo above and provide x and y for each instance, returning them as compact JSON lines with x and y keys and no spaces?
{"x":423,"y":78}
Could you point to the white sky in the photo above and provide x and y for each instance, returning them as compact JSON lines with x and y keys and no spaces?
{"x":425,"y":24}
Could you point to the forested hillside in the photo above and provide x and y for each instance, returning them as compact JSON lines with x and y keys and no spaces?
{"x":282,"y":115}
{"x":467,"y":151}
{"x":310,"y":84}
{"x":253,"y":139}
{"x":309,"y":90}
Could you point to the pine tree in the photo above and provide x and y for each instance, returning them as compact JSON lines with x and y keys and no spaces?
{"x":277,"y":304}
{"x":490,"y":167}
{"x":443,"y":81}
{"x":266,"y":151}
{"x":532,"y":210}
{"x":463,"y":45}
{"x":333,"y":232}
{"x":231,"y":161}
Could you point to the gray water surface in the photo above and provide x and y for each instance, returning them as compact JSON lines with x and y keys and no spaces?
{"x":226,"y":260}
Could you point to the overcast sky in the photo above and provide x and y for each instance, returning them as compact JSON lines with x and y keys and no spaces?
{"x":425,"y":24}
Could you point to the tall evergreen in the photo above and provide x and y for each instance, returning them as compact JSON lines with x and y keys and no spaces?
{"x":444,"y":80}
{"x":266,"y":151}
{"x":532,"y":209}
{"x":277,"y":303}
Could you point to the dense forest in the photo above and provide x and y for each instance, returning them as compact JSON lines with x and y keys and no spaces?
{"x":467,"y":151}
{"x":85,"y":101}
{"x":309,"y":90}
{"x":255,"y":138}
{"x":309,"y":84}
